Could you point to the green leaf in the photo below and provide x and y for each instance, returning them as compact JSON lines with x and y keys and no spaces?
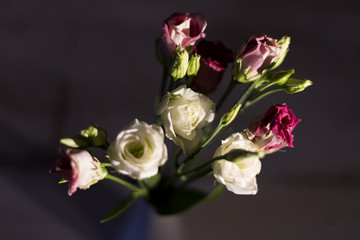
{"x":215,"y":193}
{"x":152,"y":181}
{"x":118,"y":209}
{"x":175,"y":200}
{"x":75,"y":142}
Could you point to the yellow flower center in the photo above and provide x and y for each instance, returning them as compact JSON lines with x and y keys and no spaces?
{"x":136,"y":149}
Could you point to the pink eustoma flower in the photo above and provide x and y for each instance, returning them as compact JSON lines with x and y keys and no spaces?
{"x":78,"y":168}
{"x":182,"y":30}
{"x":272,"y":131}
{"x":256,"y":55}
{"x":214,"y":60}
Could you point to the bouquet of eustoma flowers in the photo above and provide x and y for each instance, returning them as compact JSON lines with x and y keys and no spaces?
{"x":185,"y":114}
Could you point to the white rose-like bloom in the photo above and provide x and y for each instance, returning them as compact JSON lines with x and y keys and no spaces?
{"x":138,"y":150}
{"x":184,"y":113}
{"x":239,"y":178}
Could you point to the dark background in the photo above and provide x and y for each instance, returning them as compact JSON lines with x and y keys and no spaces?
{"x":65,"y":64}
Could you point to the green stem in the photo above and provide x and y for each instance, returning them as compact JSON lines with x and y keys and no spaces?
{"x":141,"y":184}
{"x":247,"y":92}
{"x":230,"y":87}
{"x":261,"y":96}
{"x":213,"y":135}
{"x":177,"y":155}
{"x":182,"y":165}
{"x":105,"y":146}
{"x":189,"y":81}
{"x":123,"y":182}
{"x":177,"y":83}
{"x":265,"y":86}
{"x":197,"y":176}
{"x":241,"y":101}
{"x":163,"y":81}
{"x":106,"y":164}
{"x":198,"y":150}
{"x":179,"y":173}
{"x":144,"y":189}
{"x":202,"y":165}
{"x":172,"y":85}
{"x":207,"y":141}
{"x":174,"y":155}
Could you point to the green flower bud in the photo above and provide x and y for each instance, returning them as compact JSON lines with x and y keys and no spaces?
{"x":229,"y":116}
{"x":284,"y":42}
{"x":295,"y":85}
{"x":179,"y":64}
{"x":96,"y":135}
{"x":75,"y":142}
{"x":194,"y":65}
{"x":279,"y":77}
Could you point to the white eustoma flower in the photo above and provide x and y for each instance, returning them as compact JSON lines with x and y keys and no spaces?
{"x":184,"y":113}
{"x":138,"y":150}
{"x":240,"y":177}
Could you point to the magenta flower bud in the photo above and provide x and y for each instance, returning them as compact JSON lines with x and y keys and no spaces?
{"x":256,"y":55}
{"x":181,"y":30}
{"x":214,"y":60}
{"x":78,"y":168}
{"x":272,"y":131}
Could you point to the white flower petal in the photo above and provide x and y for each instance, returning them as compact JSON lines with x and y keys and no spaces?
{"x":184,"y":113}
{"x":138,"y":150}
{"x":239,"y":178}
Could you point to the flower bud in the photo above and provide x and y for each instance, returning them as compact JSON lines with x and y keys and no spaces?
{"x":194,"y":65}
{"x":257,"y":55}
{"x":272,"y":131}
{"x":78,"y":168}
{"x":75,"y":142}
{"x":284,"y":43}
{"x":179,"y":64}
{"x":278,"y":78}
{"x":214,"y":60}
{"x":96,"y":135}
{"x":295,"y":85}
{"x":181,"y":30}
{"x":228,"y":117}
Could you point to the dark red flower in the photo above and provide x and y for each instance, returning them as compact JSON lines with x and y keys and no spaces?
{"x":214,"y":59}
{"x":272,"y":131}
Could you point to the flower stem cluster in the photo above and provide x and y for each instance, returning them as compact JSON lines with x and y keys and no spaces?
{"x":185,"y":113}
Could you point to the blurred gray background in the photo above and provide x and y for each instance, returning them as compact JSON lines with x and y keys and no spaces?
{"x":65,"y":64}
